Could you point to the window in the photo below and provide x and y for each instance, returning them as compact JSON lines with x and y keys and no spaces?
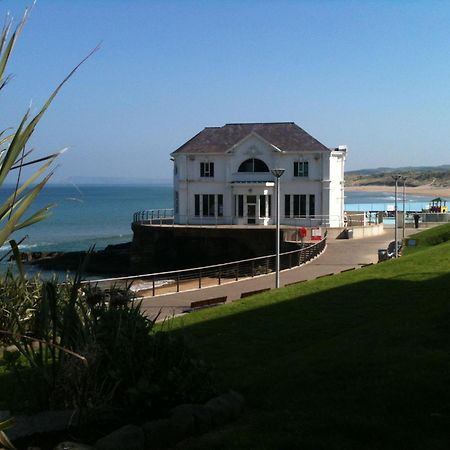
{"x":262,"y":206}
{"x":299,"y":205}
{"x":175,"y":169}
{"x":208,"y":205}
{"x":301,"y":168}
{"x":287,"y":206}
{"x":220,"y":205}
{"x":302,"y":205}
{"x":312,"y":205}
{"x":205,"y":205}
{"x":253,"y":165}
{"x":207,"y":169}
{"x":296,"y":205}
{"x":197,"y":204}
{"x":240,"y":205}
{"x":177,"y":202}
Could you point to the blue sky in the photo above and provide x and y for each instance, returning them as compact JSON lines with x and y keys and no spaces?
{"x":374,"y":75}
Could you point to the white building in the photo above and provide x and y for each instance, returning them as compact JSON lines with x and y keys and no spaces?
{"x":223,"y":175}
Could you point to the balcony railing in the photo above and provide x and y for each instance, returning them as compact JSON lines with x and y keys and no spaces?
{"x":154,"y":217}
{"x":167,"y":217}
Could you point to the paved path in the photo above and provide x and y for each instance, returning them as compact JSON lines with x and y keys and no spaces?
{"x":341,"y":254}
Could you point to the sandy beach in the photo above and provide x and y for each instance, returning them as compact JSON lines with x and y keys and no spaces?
{"x":425,"y":190}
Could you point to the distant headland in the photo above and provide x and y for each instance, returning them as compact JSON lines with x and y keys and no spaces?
{"x":430,"y":181}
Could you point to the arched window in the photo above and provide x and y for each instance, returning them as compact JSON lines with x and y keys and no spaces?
{"x":253,"y":165}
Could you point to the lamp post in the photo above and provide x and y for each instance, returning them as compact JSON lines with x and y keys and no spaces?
{"x":396,"y":178}
{"x":277,"y":173}
{"x":404,"y":212}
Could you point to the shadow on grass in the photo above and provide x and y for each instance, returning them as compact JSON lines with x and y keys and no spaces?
{"x":363,"y":365}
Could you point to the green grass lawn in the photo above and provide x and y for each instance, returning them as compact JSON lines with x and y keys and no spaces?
{"x":360,"y":360}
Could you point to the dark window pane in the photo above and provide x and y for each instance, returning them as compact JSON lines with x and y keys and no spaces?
{"x":260,"y":166}
{"x":296,"y":205}
{"x":287,"y":206}
{"x":204,"y":205}
{"x":262,"y":206}
{"x":220,"y":205}
{"x":270,"y":206}
{"x":312,"y":205}
{"x":253,"y":165}
{"x":211,"y":205}
{"x":303,"y":205}
{"x":240,"y":205}
{"x":197,"y":204}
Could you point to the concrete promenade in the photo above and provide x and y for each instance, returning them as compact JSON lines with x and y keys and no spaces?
{"x":340,"y":254}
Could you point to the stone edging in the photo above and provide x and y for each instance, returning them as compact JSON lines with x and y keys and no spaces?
{"x":185,"y":421}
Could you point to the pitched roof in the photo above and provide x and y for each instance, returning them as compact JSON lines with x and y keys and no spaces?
{"x":287,"y":136}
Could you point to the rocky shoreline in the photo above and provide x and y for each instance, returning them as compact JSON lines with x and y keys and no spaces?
{"x":113,"y":260}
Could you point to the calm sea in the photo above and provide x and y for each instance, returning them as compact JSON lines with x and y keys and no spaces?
{"x":101,"y":215}
{"x":88,"y":215}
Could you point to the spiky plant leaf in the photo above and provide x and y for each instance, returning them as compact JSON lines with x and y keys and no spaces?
{"x":10,"y":225}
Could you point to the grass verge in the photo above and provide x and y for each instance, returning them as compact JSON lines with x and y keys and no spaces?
{"x":359,"y":360}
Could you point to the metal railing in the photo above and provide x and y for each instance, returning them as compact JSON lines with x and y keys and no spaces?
{"x":154,"y":216}
{"x":167,"y":217}
{"x":182,"y":280}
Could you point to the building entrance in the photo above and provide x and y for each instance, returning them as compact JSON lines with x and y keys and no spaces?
{"x":251,"y":209}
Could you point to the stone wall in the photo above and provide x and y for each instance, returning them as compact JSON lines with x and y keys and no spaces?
{"x":164,"y":248}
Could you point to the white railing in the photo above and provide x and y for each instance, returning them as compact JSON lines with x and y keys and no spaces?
{"x":167,"y":217}
{"x":154,"y":216}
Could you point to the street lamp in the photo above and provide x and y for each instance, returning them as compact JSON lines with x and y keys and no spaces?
{"x":404,"y":212}
{"x":277,"y":173}
{"x":396,"y":178}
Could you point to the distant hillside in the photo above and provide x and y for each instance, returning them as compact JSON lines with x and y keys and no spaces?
{"x":438,"y":176}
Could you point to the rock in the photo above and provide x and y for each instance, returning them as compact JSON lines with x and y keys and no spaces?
{"x":183,"y":426}
{"x":201,"y":414}
{"x":72,"y":446}
{"x":221,"y":410}
{"x":43,"y":422}
{"x":129,"y":437}
{"x":158,"y":434}
{"x":236,"y":402}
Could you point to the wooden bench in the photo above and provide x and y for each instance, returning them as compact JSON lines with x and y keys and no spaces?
{"x":295,"y":282}
{"x":249,"y":293}
{"x":206,"y":303}
{"x":326,"y":275}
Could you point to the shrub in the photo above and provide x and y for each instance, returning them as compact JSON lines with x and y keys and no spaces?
{"x":90,"y":351}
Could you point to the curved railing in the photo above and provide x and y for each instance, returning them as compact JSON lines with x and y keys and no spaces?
{"x":181,"y":280}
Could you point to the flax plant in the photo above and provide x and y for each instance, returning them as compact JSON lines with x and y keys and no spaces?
{"x":19,"y":297}
{"x":14,"y":156}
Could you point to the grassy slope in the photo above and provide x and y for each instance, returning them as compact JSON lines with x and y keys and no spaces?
{"x":360,"y":360}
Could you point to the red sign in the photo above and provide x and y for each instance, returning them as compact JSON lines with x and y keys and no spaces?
{"x":302,"y":232}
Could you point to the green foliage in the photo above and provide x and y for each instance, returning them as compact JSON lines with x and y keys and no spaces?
{"x":81,"y":348}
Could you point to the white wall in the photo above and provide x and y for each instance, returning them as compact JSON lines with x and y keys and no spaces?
{"x":325,"y":178}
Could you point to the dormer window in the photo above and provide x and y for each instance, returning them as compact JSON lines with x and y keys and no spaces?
{"x":253,"y":165}
{"x":301,"y":168}
{"x":207,"y":169}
